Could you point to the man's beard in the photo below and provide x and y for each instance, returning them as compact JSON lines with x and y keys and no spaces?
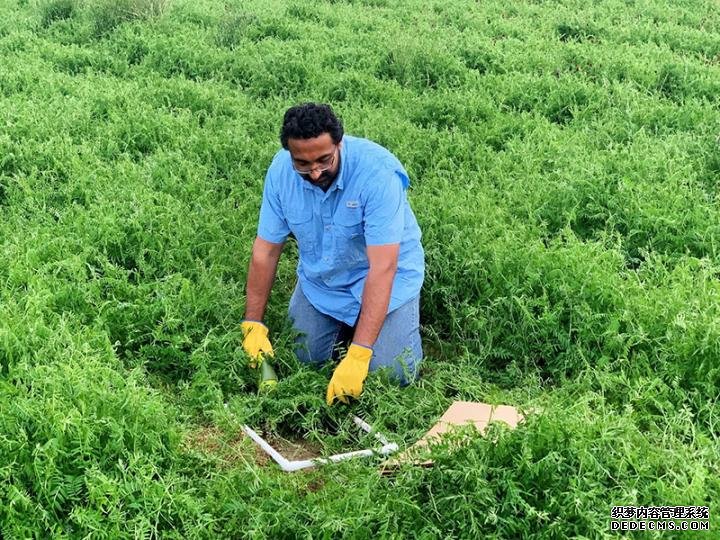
{"x":324,"y":181}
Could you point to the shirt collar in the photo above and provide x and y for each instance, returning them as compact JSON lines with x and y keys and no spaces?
{"x":340,"y":182}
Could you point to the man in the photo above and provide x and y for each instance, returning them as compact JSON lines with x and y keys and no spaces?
{"x":361,"y":264}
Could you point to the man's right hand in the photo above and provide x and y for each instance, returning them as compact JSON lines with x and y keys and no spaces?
{"x":255,"y":342}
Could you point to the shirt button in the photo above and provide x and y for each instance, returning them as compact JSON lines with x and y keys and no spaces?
{"x":328,"y":227}
{"x":326,"y":259}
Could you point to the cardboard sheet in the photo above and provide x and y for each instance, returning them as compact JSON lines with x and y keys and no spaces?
{"x":458,"y":414}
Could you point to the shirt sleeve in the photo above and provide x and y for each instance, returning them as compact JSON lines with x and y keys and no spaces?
{"x":385,"y":210}
{"x":272,"y":225}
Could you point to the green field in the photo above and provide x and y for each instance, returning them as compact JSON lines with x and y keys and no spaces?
{"x":565,"y":168}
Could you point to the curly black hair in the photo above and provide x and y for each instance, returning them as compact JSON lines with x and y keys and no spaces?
{"x":310,"y":120}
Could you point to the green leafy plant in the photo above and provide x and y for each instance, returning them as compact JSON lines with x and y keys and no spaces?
{"x":109,"y":14}
{"x":564,"y":171}
{"x":57,"y":10}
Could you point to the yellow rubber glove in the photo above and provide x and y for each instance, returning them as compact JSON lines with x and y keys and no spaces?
{"x":347,"y":380}
{"x":256,"y":342}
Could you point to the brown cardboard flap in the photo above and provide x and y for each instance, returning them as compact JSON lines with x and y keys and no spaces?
{"x":507,"y":414}
{"x":458,"y":414}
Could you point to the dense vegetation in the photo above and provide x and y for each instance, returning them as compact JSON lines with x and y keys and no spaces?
{"x":565,"y":159}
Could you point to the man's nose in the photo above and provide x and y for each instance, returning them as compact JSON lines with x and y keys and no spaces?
{"x":315,"y":174}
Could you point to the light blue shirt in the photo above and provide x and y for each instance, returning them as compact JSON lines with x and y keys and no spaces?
{"x":365,"y":206}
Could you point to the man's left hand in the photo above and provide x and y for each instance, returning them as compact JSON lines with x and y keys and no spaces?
{"x":349,"y":375}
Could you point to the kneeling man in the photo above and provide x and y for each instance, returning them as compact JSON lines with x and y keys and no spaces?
{"x":361,"y":263}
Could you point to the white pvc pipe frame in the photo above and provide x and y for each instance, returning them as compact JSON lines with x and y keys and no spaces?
{"x":292,"y":466}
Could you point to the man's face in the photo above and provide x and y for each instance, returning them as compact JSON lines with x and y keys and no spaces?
{"x":317,"y":160}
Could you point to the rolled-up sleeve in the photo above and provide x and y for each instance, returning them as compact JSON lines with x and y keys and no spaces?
{"x":385,"y":210}
{"x":272,"y":225}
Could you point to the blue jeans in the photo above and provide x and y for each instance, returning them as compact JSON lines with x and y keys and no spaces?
{"x":397,"y":347}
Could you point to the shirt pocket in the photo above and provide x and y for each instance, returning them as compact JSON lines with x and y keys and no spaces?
{"x":303,"y":229}
{"x":350,"y":245}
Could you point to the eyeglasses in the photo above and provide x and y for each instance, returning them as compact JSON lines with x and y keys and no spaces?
{"x":321,"y":165}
